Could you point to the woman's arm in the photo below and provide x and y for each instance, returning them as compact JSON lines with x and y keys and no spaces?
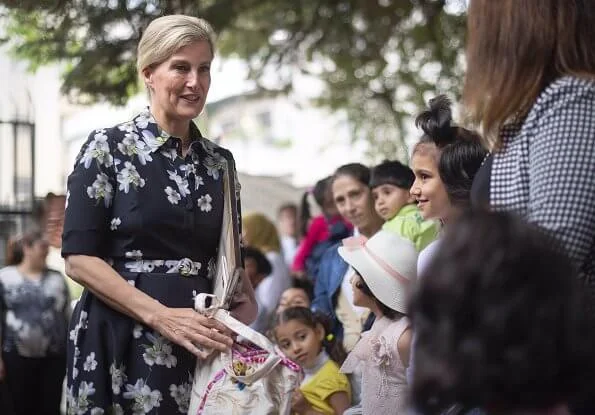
{"x":404,"y":347}
{"x":562,"y":170}
{"x":183,"y":326}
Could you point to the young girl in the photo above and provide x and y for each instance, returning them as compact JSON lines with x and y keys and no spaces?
{"x":444,"y":161}
{"x":384,"y":272}
{"x":319,"y":233}
{"x":302,"y":337}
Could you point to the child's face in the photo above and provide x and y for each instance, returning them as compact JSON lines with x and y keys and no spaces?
{"x":389,"y":199}
{"x":293,"y":297}
{"x":300,"y":342}
{"x":360,"y":299}
{"x":428,"y":189}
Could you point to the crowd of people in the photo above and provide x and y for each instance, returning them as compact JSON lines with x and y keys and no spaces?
{"x":461,"y":283}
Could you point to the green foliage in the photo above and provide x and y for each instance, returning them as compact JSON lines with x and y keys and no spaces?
{"x":380,"y":60}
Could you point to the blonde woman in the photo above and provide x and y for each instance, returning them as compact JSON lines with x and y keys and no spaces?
{"x":142,"y":226}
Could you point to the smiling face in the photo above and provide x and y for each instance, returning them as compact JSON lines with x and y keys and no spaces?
{"x":179,"y":85}
{"x":428,"y":189}
{"x":300,"y":342}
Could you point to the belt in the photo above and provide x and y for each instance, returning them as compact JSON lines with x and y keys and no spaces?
{"x":184,"y":266}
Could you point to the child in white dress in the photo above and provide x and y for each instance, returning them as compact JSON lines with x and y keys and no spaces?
{"x":384,"y":270}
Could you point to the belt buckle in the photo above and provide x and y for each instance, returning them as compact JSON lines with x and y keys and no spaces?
{"x":185,"y":267}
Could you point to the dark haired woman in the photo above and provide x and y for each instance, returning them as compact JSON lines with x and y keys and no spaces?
{"x":530,"y":82}
{"x":332,"y":290}
{"x":444,"y":161}
{"x":34,"y":315}
{"x":320,"y":232}
{"x":498,"y":322}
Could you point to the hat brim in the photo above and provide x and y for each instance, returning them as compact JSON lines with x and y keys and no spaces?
{"x":386,"y":288}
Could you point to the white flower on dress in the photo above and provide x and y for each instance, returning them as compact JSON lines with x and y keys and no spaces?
{"x":143,"y":119}
{"x":144,"y":398}
{"x":127,"y":127}
{"x":181,"y":394}
{"x":97,"y":411}
{"x":79,"y":405}
{"x":98,"y":149}
{"x":137,"y":331}
{"x":214,"y":163}
{"x":181,"y":182}
{"x":90,"y":363}
{"x":115,"y":223}
{"x":67,"y":199}
{"x":160,"y":352}
{"x":81,"y":325}
{"x":135,"y":254}
{"x":153,"y":142}
{"x":204,"y":202}
{"x":118,"y":377}
{"x":101,"y":189}
{"x":381,"y":352}
{"x":131,"y":145}
{"x":198,"y":182}
{"x":172,"y":195}
{"x":129,"y":176}
{"x":188,"y":169}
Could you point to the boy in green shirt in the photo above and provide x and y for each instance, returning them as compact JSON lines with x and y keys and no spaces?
{"x":390,"y":182}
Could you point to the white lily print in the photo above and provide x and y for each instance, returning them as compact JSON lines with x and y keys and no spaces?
{"x":160,"y":352}
{"x":154,"y":142}
{"x":67,"y":199}
{"x":129,"y":176}
{"x":131,"y":145}
{"x":144,"y":398}
{"x":143,"y":119}
{"x":172,"y":195}
{"x":90,"y":363}
{"x":137,"y":331}
{"x":98,"y":149}
{"x":79,"y":405}
{"x":81,"y":325}
{"x":214,"y":163}
{"x":75,"y":371}
{"x":127,"y":127}
{"x":181,"y":182}
{"x":181,"y":394}
{"x":118,"y":377}
{"x":136,"y":254}
{"x":101,"y":189}
{"x":204,"y":203}
{"x":115,"y":223}
{"x":188,"y":169}
{"x":97,"y":411}
{"x":116,"y":409}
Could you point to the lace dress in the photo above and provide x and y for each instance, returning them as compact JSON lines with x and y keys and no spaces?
{"x":384,"y":384}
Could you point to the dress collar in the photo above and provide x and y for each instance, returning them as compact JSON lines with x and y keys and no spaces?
{"x":155,"y":137}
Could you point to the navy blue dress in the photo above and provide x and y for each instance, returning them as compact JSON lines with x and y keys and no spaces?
{"x":155,"y":217}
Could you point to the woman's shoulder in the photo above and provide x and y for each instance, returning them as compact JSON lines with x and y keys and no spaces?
{"x":8,"y":272}
{"x":563,"y":91}
{"x":426,"y":255}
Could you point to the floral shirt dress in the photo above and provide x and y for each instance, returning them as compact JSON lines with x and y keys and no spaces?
{"x":156,"y":217}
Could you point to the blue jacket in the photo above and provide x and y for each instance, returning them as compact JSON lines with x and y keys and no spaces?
{"x":331,"y":271}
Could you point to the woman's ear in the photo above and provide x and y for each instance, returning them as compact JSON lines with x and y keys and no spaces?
{"x":148,"y":76}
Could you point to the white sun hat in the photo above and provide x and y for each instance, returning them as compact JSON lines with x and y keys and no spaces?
{"x":387,"y":263}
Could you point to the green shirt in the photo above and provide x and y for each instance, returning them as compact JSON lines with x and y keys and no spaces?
{"x":409,"y":224}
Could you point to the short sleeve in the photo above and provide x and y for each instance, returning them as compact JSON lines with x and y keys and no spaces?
{"x":332,"y":381}
{"x":89,"y":196}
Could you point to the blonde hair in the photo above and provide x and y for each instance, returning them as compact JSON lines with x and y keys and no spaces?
{"x":167,"y":34}
{"x":261,"y":232}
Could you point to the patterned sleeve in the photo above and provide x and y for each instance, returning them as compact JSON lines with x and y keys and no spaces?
{"x":90,"y":191}
{"x":562,"y":170}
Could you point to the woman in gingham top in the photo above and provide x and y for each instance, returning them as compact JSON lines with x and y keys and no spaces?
{"x":531,"y":84}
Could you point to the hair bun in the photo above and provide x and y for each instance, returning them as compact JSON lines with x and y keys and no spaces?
{"x":436,"y":122}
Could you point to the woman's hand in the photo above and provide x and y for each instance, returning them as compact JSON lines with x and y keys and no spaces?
{"x":192,"y":330}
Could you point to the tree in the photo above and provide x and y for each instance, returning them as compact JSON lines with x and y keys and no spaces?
{"x":380,"y":60}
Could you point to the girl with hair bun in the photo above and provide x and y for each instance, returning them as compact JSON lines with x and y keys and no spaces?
{"x":444,"y":161}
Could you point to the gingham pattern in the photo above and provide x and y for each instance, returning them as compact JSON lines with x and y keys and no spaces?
{"x":545,"y":170}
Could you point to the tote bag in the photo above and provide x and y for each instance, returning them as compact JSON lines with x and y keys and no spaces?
{"x":252,"y":378}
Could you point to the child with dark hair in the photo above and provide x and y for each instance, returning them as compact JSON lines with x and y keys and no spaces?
{"x":384,"y":271}
{"x":258,"y":268}
{"x":304,"y":338}
{"x":300,"y":294}
{"x":499,"y":323}
{"x":320,"y":232}
{"x":390,"y":182}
